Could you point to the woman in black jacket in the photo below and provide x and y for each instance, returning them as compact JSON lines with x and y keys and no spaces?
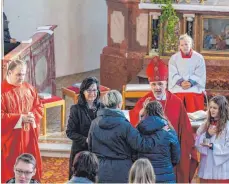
{"x":167,"y":152}
{"x":81,"y":116}
{"x":112,"y":138}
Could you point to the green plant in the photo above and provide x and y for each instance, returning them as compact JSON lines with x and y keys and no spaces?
{"x":168,"y":22}
{"x":161,"y":1}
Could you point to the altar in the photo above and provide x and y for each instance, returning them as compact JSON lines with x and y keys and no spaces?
{"x":194,"y":123}
{"x":135,"y":35}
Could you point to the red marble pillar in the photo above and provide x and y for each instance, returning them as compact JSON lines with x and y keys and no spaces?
{"x":127,"y":39}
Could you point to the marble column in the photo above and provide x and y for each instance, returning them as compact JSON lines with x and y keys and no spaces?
{"x":189,"y":23}
{"x":127,"y":43}
{"x":155,"y":32}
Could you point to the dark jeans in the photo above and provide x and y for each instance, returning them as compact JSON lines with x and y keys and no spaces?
{"x":9,"y":46}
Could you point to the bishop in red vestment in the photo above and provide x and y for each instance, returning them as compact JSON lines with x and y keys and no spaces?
{"x":174,"y":109}
{"x":21,"y":112}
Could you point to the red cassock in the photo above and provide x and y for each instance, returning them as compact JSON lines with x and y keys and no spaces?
{"x":177,"y":115}
{"x":193,"y":101}
{"x":16,"y":100}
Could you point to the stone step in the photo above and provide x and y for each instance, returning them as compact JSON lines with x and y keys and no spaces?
{"x":55,"y":144}
{"x":55,"y":149}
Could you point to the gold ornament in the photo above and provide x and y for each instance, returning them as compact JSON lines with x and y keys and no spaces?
{"x":201,"y":1}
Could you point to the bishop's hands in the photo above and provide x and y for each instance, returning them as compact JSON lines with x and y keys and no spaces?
{"x":186,"y":84}
{"x":147,"y":100}
{"x":142,"y":111}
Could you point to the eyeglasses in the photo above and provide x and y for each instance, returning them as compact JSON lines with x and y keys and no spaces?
{"x":92,"y":91}
{"x":20,"y":172}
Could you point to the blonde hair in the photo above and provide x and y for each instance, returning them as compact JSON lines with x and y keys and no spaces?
{"x":112,"y":99}
{"x":142,"y":172}
{"x":187,"y":38}
{"x":13,"y":64}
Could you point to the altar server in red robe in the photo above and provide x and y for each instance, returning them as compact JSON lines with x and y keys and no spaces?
{"x":21,"y":112}
{"x":187,"y":75}
{"x":174,"y":109}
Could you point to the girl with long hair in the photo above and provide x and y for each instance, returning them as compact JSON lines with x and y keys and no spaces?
{"x":213,"y":143}
{"x":167,"y":152}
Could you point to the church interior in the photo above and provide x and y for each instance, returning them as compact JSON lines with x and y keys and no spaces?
{"x":64,"y":42}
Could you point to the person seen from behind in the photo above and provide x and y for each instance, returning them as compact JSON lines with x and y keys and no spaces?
{"x":167,"y":153}
{"x":112,"y":138}
{"x":85,"y":168}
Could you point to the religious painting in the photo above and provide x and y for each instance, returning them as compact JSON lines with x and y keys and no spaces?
{"x":215,"y":35}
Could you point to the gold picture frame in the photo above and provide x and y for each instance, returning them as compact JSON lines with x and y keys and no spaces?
{"x":214,"y":35}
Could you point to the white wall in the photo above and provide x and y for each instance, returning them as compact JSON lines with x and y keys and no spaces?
{"x":80,"y":36}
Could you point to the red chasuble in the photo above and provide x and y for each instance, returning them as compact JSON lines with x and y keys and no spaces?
{"x":16,"y":100}
{"x":177,"y":115}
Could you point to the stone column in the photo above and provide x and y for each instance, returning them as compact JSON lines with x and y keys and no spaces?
{"x":127,"y":43}
{"x":189,"y":23}
{"x":154,"y":33}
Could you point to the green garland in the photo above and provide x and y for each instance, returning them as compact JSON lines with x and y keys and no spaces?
{"x":168,"y":21}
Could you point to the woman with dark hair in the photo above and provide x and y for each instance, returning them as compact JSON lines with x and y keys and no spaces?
{"x":213,"y":143}
{"x":85,"y":168}
{"x":167,"y":153}
{"x":81,"y":116}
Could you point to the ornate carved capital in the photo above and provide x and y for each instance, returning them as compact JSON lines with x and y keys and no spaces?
{"x":189,"y":17}
{"x":155,"y":15}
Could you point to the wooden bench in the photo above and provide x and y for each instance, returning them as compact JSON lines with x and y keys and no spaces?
{"x":134,"y":91}
{"x":73,"y":92}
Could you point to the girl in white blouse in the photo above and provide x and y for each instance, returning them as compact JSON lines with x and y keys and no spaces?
{"x":213,"y":143}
